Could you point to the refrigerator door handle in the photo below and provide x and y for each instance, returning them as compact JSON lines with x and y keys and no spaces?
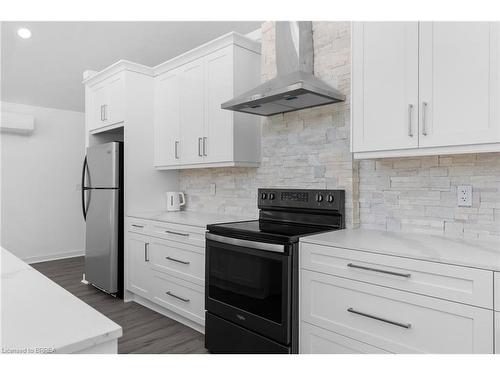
{"x":83,"y":188}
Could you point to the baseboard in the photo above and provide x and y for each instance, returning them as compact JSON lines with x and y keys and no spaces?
{"x":54,"y":256}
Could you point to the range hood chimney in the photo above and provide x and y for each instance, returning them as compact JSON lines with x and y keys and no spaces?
{"x":295,"y":87}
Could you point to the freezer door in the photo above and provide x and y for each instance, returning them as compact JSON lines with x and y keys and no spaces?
{"x":103,"y":165}
{"x":101,"y":239}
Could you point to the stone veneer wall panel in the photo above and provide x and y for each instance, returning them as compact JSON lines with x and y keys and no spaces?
{"x":420,"y":195}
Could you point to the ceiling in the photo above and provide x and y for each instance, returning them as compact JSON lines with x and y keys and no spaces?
{"x":46,"y":70}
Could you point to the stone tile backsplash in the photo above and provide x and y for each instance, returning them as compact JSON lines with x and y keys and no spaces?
{"x":310,"y":149}
{"x":420,"y":194}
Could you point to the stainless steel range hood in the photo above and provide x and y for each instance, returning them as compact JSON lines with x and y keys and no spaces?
{"x":295,"y":87}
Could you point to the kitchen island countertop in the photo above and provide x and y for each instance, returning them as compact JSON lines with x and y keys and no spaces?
{"x":39,"y":316}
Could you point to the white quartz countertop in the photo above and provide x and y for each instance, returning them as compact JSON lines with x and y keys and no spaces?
{"x":457,"y":251}
{"x":38,"y":314}
{"x":197,"y":219}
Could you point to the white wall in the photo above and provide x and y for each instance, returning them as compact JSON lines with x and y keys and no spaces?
{"x":40,"y":202}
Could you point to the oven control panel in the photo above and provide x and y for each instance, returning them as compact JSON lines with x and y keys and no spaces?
{"x":301,"y":198}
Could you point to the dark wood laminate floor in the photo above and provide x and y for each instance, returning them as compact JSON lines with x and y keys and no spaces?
{"x":144,"y":331}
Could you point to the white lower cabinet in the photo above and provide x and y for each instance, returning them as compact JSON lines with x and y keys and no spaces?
{"x":384,"y":305}
{"x":185,"y":299}
{"x":139,"y":279}
{"x":165,"y":266}
{"x":315,"y":340}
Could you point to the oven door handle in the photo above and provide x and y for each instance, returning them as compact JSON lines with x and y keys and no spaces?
{"x":246,"y":243}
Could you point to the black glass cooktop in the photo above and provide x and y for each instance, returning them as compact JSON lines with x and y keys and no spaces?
{"x":266,"y":230}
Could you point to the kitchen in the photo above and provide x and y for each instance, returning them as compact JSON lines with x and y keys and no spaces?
{"x":303,"y":187}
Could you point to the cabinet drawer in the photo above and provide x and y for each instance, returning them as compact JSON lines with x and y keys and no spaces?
{"x":137,"y":226}
{"x":181,"y":233}
{"x":461,"y":284}
{"x":179,"y":260}
{"x":497,"y":290}
{"x":315,"y":340}
{"x":394,"y":320}
{"x":184,"y":298}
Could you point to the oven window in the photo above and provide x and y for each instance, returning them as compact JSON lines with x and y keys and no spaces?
{"x":249,"y":282}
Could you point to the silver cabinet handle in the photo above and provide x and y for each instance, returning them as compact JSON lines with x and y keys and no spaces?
{"x":176,"y":149}
{"x":424,"y":118}
{"x":102,"y":112}
{"x":402,"y":325}
{"x":204,"y":146}
{"x":179,"y":298}
{"x":105,"y":112}
{"x":177,"y":233}
{"x":200,"y":146}
{"x":138,"y":226}
{"x":146,"y":252}
{"x":177,"y":260}
{"x":352,"y":265}
{"x":410,"y":125}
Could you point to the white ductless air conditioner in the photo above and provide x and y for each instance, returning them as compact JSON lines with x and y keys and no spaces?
{"x":11,"y":122}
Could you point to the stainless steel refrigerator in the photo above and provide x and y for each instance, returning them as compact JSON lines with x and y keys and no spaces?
{"x":102,"y":206}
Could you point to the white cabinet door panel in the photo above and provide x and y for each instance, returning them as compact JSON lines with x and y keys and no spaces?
{"x":396,"y":321}
{"x":458,"y":83}
{"x":192,"y":104}
{"x":218,"y":144}
{"x":139,"y":274}
{"x":168,"y":149}
{"x":115,"y":107}
{"x":385,"y":85}
{"x":98,"y":98}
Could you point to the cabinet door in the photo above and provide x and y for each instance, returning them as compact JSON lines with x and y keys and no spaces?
{"x":459,"y":68}
{"x":218,"y":141}
{"x":114,"y":110}
{"x":385,"y":86}
{"x":192,"y":111}
{"x":139,"y":278}
{"x":97,"y":101}
{"x":167,"y":119}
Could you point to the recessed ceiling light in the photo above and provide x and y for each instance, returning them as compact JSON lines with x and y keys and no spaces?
{"x":24,"y":33}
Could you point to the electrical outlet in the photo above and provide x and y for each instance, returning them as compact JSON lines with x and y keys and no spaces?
{"x":464,"y":196}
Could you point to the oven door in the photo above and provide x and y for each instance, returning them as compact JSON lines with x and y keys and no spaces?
{"x":249,"y":283}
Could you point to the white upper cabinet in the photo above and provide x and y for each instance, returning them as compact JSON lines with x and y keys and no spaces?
{"x":385,"y":85}
{"x":167,"y":105}
{"x":218,"y":89}
{"x":425,"y":88}
{"x":115,"y":106}
{"x":191,"y":129}
{"x":192,"y":109}
{"x":106,"y":102}
{"x":458,"y":83}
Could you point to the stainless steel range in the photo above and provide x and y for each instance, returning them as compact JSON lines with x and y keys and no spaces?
{"x":251,"y":274}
